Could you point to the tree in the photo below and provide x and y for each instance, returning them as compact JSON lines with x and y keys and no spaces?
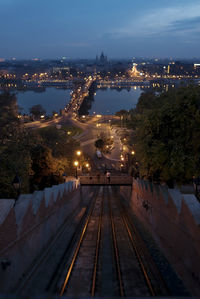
{"x":99,"y":143}
{"x":121,"y":113}
{"x":9,"y":122}
{"x":43,"y":166}
{"x":168,"y":136}
{"x":37,"y":111}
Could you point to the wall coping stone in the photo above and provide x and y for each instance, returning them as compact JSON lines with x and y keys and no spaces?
{"x":36,"y":200}
{"x":21,"y":208}
{"x":5,"y":206}
{"x":176,"y":197}
{"x":193,"y":206}
{"x":165,"y":193}
{"x":47,"y":196}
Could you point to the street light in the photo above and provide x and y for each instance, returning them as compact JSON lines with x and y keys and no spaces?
{"x":76,"y":165}
{"x":17,"y":185}
{"x":133,"y":153}
{"x":78,"y":153}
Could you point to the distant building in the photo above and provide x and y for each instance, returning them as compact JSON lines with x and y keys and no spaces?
{"x":102,"y":60}
{"x":197,"y":65}
{"x":61,"y":69}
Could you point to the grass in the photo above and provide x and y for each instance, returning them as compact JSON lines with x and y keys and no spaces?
{"x":64,"y":129}
{"x":73,"y":130}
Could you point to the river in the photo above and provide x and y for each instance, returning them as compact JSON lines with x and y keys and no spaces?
{"x":106,"y":101}
{"x":109,"y":101}
{"x":52,"y":99}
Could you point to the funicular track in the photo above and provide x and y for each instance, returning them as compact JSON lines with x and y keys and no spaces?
{"x":44,"y":272}
{"x":90,"y":235}
{"x":152,"y":275}
{"x":132,"y":273}
{"x":137,"y":273}
{"x":105,"y":256}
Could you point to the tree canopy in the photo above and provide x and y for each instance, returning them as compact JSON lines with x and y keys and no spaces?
{"x":99,"y":143}
{"x":168,"y":134}
{"x":37,"y":110}
{"x":9,"y":122}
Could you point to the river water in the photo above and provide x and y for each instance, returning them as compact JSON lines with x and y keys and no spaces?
{"x":52,"y":99}
{"x":109,"y":101}
{"x":106,"y":101}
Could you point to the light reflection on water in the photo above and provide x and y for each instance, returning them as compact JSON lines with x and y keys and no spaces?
{"x":109,"y":101}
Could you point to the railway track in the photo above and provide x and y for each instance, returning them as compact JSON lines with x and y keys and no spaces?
{"x":131,"y":276}
{"x":44,"y":271}
{"x":82,"y":270}
{"x":105,"y":257}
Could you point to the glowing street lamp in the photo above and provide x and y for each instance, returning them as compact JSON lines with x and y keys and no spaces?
{"x":133,"y":153}
{"x":76,"y":165}
{"x":78,"y":153}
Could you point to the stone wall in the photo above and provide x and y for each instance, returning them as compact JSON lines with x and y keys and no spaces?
{"x":27,"y":226}
{"x":174,"y":221}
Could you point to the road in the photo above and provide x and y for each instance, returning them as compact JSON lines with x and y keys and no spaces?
{"x":93,"y":129}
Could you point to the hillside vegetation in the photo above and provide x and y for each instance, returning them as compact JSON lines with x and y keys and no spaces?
{"x":167,"y":130}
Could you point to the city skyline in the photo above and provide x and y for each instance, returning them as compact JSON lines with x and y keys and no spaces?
{"x":82,"y":29}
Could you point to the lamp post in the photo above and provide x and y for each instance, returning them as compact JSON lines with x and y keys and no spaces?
{"x":17,"y":185}
{"x":64,"y":177}
{"x":76,"y":165}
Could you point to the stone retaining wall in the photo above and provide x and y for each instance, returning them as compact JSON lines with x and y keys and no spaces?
{"x":27,"y":227}
{"x":174,"y":221}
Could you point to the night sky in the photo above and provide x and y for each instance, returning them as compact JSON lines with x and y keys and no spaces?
{"x":83,"y":28}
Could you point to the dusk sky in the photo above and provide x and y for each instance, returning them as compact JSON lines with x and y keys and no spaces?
{"x":83,"y":28}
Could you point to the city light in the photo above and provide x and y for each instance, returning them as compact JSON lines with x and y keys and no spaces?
{"x":78,"y":153}
{"x":76,"y":163}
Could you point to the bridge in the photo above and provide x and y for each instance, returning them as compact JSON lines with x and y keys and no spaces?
{"x":78,"y":95}
{"x":104,"y":181}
